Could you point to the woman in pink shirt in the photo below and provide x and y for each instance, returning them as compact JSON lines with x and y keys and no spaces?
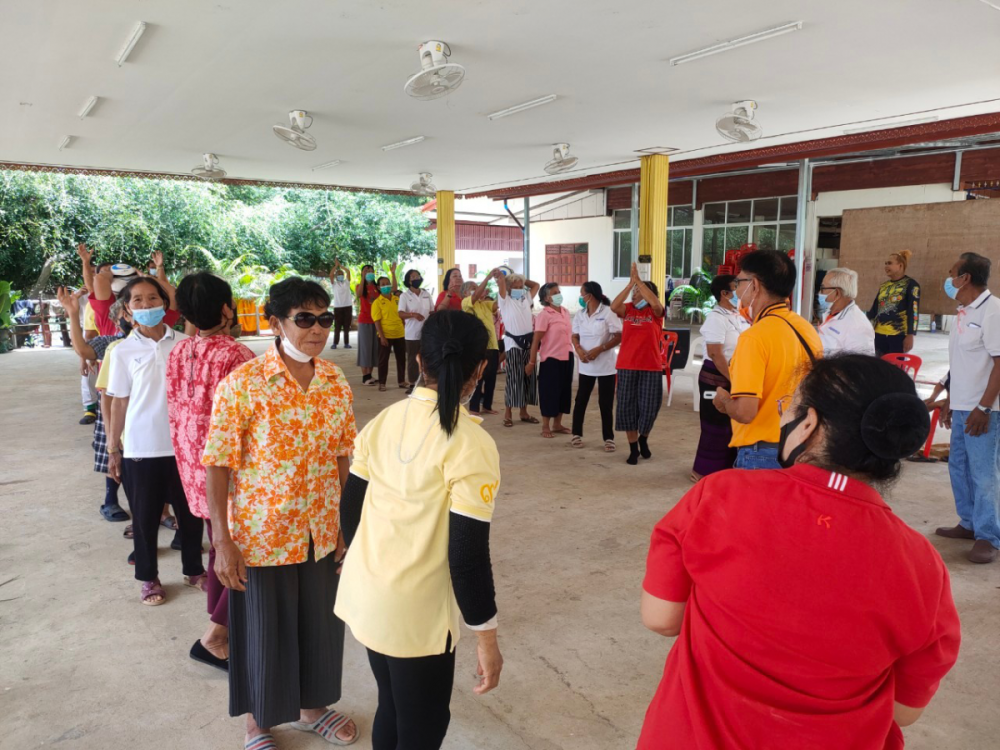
{"x":552,"y":345}
{"x":195,"y":368}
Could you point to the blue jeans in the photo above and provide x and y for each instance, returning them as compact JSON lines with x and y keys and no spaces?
{"x":756,"y":457}
{"x":974,"y":466}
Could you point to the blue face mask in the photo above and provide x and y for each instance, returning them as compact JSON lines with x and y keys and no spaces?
{"x":340,"y":278}
{"x":385,"y":289}
{"x":824,"y":303}
{"x":517,"y":293}
{"x":950,"y":289}
{"x":556,"y":299}
{"x":150,"y":317}
{"x":641,"y":304}
{"x":369,"y":277}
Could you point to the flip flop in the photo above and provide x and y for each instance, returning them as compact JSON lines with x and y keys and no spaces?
{"x":508,"y":422}
{"x":261,"y":742}
{"x":563,"y":431}
{"x":529,"y":420}
{"x":326,"y":726}
{"x":169,"y":522}
{"x":129,"y":532}
{"x":114,"y":513}
{"x":199,"y":581}
{"x":151,"y":589}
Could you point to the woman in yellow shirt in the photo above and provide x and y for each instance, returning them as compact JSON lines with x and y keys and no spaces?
{"x":476,"y":302}
{"x":416,"y":514}
{"x":391,"y":330}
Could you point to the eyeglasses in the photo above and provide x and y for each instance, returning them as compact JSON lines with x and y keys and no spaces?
{"x":740,"y":281}
{"x":308,"y":320}
{"x":784,"y":404}
{"x":829,"y":288}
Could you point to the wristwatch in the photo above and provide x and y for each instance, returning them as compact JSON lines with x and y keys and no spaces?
{"x":987,"y":410}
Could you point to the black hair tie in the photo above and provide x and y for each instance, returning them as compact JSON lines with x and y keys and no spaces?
{"x":895,"y":425}
{"x":452,"y":348}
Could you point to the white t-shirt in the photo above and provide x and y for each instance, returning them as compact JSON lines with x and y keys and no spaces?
{"x":595,"y":330}
{"x":724,"y":327}
{"x":415,"y":302}
{"x":847,"y":331}
{"x":972,"y":343}
{"x":342,"y":295}
{"x":516,"y":316}
{"x":139,"y":373}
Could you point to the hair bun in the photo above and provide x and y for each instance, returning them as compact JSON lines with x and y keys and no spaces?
{"x":451,"y":348}
{"x":895,"y":425}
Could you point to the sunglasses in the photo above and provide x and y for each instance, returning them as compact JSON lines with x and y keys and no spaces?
{"x":308,"y":320}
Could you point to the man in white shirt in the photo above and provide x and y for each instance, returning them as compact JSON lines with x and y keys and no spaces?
{"x":414,"y":308}
{"x":845,"y":327}
{"x":343,"y":303}
{"x":973,"y":386}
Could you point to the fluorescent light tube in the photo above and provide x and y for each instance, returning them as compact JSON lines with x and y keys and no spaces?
{"x":328,"y":164}
{"x":130,"y":44}
{"x":887,"y":125}
{"x":521,"y":107}
{"x":407,"y":142}
{"x":88,"y":106}
{"x":741,"y":41}
{"x":65,"y":142}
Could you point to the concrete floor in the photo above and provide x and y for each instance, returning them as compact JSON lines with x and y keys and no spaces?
{"x":85,"y":666}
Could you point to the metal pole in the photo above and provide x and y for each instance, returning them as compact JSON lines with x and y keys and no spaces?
{"x":527,"y":238}
{"x":956,"y":180}
{"x":634,"y":223}
{"x":805,"y":191}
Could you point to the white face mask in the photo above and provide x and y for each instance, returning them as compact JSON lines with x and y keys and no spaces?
{"x":289,"y":348}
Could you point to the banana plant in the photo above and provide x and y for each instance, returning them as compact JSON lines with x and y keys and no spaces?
{"x":696,"y":296}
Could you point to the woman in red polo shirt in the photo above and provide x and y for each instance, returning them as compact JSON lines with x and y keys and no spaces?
{"x":450,"y":297}
{"x":808,"y":614}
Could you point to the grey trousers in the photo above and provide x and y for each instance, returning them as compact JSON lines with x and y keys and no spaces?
{"x":286,"y":647}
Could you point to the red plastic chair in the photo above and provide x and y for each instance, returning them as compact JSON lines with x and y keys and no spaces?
{"x":668,"y":346}
{"x":908,"y":363}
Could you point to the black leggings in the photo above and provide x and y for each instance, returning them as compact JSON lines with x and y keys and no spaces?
{"x":485,"y":387}
{"x":605,"y":399}
{"x":151,"y":483}
{"x":414,"y":696}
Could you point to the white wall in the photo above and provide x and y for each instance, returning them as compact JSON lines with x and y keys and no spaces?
{"x":597,"y":232}
{"x":835,"y":203}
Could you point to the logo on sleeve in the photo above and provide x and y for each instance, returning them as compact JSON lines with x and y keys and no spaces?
{"x":824,"y":520}
{"x":488,"y":492}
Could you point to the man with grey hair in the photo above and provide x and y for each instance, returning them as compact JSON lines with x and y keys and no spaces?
{"x":844,"y":327}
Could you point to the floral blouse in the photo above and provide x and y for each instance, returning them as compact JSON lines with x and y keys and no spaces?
{"x":281,"y":446}
{"x":194,"y":370}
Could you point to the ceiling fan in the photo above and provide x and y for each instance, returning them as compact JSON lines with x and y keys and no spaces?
{"x":424,"y":186}
{"x":295,"y":133}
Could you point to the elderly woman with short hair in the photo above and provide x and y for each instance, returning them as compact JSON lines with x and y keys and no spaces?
{"x":516,"y":300}
{"x":844,"y":327}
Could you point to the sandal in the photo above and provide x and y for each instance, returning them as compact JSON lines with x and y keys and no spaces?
{"x":609,"y":446}
{"x":326,"y":726}
{"x":373,"y":381}
{"x":490,"y":411}
{"x":508,"y":422}
{"x":576,"y":441}
{"x":404,"y":385}
{"x":530,"y":420}
{"x":128,"y":533}
{"x":114,"y":513}
{"x":151,"y":590}
{"x":199,"y":581}
{"x":261,"y":742}
{"x":169,"y":522}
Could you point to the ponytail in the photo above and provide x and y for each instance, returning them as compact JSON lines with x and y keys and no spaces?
{"x":594,"y":290}
{"x":452,"y":346}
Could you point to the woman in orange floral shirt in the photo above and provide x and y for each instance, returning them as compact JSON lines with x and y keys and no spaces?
{"x":278,"y":450}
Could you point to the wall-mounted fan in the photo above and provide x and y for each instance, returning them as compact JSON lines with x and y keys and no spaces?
{"x":437,"y":76}
{"x":295,"y":132}
{"x":561,"y":160}
{"x":209,"y":168}
{"x":739,"y":124}
{"x":424,"y":186}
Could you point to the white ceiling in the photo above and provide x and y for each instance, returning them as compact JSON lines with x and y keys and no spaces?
{"x":214,"y":76}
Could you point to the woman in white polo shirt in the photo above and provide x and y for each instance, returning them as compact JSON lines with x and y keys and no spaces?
{"x":414,"y":308}
{"x":415,"y":515}
{"x":516,"y":299}
{"x":845,"y":327}
{"x":140,"y":451}
{"x":597,"y":331}
{"x":721,"y":329}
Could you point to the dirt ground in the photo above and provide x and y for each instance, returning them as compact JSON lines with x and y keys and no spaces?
{"x":83,"y":665}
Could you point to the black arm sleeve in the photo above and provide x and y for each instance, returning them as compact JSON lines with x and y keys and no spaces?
{"x":912,"y":312}
{"x":471,"y":570}
{"x":352,"y":500}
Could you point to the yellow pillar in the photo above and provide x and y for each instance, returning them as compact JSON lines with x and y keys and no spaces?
{"x":653,"y":175}
{"x":445,"y":233}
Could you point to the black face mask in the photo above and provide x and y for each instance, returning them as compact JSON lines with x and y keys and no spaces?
{"x":798,"y":450}
{"x":415,"y":283}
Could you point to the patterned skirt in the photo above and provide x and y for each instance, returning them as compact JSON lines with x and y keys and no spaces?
{"x":714,"y":453}
{"x":100,"y":445}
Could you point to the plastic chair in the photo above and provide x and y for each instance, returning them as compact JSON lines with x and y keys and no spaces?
{"x":691,"y":371}
{"x":908,"y":363}
{"x":667,"y":348}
